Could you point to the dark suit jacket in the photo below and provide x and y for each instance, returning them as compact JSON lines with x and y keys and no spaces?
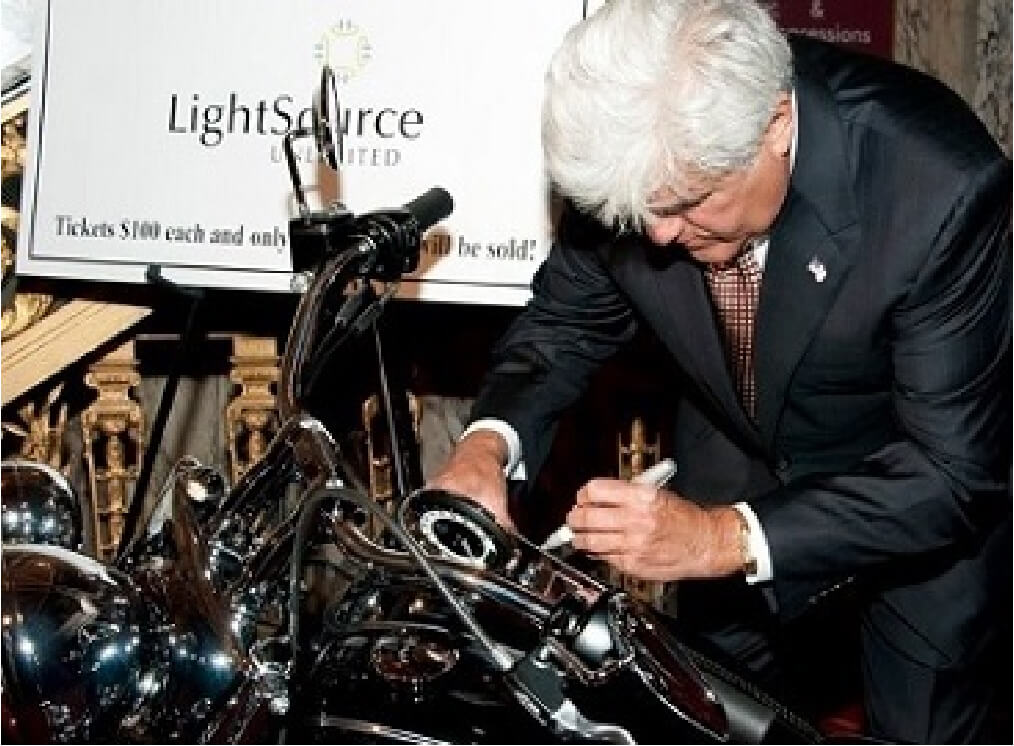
{"x":881,"y":448}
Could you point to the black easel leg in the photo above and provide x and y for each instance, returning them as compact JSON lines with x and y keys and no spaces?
{"x":186,"y":346}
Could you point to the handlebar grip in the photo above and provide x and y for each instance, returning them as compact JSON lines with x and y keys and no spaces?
{"x":430,"y":207}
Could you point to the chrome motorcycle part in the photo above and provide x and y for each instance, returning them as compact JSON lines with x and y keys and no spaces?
{"x":206,"y":487}
{"x":201,"y":486}
{"x":39,"y":506}
{"x":411,"y":659}
{"x":456,"y":537}
{"x":453,"y":527}
{"x":74,"y":662}
{"x":272,"y":665}
{"x":327,"y":129}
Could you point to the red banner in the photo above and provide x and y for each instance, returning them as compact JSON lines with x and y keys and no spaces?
{"x":864,"y":25}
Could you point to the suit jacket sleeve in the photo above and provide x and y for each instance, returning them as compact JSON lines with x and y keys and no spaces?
{"x":944,"y":481}
{"x":576,"y":319}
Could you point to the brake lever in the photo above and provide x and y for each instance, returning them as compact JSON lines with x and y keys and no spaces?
{"x":538,"y":686}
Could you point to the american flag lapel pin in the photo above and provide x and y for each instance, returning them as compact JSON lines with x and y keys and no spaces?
{"x":817,"y":269}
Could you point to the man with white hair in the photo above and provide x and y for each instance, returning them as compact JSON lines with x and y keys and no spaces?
{"x":821,"y":240}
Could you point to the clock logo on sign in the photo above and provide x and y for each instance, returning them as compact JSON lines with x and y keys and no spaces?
{"x":345,"y":48}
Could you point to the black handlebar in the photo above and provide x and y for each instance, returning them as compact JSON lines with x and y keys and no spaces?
{"x":386,"y":242}
{"x":430,"y":207}
{"x":389,"y":240}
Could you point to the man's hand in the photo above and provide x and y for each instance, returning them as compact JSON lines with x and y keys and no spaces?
{"x":475,"y":469}
{"x":654,"y":534}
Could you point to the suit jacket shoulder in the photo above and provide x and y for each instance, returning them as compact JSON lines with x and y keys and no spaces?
{"x":897,"y":104}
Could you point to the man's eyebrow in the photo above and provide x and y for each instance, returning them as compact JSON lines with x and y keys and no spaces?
{"x":678,"y":205}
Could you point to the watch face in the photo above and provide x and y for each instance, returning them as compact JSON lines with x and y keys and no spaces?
{"x":345,"y":47}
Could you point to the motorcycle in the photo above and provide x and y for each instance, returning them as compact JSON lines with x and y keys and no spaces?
{"x":292,"y":606}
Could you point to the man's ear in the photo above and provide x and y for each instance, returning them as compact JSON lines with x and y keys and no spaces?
{"x":779,"y":132}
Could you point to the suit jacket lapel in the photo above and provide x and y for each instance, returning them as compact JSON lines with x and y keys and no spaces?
{"x":810,"y":253}
{"x":802,"y":274}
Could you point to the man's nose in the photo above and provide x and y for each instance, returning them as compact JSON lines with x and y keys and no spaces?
{"x":663,"y":231}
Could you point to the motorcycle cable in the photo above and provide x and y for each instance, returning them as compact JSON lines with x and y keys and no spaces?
{"x":309,"y":512}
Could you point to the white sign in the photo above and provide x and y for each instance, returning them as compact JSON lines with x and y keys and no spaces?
{"x":156,"y":132}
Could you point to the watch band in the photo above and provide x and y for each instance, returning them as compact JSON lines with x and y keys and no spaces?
{"x":748,"y":561}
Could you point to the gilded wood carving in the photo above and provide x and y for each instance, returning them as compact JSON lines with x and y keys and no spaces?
{"x":252,"y":416}
{"x":24,"y":309}
{"x":113,"y":433}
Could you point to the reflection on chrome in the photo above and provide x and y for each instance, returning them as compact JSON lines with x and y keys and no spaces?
{"x":38,"y":506}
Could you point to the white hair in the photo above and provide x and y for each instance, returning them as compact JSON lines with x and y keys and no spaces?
{"x":646,"y":94}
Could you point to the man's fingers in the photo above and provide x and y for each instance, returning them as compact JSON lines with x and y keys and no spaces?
{"x":597,"y":517}
{"x":614,"y":492}
{"x":600,"y":543}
